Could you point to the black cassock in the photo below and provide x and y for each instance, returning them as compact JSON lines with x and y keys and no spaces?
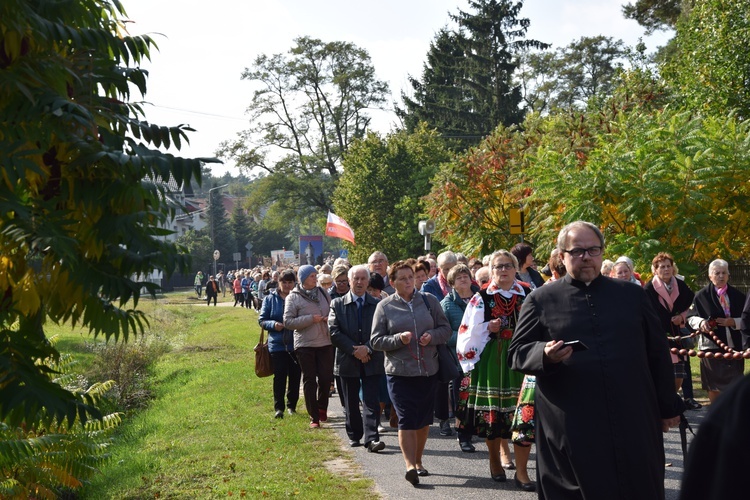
{"x":598,"y":413}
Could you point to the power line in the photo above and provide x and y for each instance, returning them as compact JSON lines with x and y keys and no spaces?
{"x":199,"y":113}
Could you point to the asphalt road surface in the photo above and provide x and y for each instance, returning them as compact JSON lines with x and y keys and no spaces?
{"x":454,"y":474}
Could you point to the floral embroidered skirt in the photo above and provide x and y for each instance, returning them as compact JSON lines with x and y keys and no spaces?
{"x":524,"y":419}
{"x":487,"y":396}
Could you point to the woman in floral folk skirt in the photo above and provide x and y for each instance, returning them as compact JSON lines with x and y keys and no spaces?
{"x":489,"y":392}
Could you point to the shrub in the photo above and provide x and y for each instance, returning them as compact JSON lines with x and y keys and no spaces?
{"x":45,"y":458}
{"x":129,"y":366}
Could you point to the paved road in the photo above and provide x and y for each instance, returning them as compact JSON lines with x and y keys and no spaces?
{"x":454,"y":474}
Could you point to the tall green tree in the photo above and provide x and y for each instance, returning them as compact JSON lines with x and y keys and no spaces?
{"x":310,"y":104}
{"x":219,"y":230}
{"x":440,"y":93}
{"x":241,"y":228}
{"x":481,"y":56}
{"x":82,"y":191}
{"x":710,"y":69}
{"x":381,"y":191}
{"x":655,"y":14}
{"x":198,"y":245}
{"x":571,"y":76}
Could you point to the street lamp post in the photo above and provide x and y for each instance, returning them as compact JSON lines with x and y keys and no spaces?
{"x":211,"y":222}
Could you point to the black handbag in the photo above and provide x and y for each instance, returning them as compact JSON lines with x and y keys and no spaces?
{"x":447,"y":369}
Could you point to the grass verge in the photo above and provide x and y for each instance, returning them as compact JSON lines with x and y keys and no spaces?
{"x":209,"y":431}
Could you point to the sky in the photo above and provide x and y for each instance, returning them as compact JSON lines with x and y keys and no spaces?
{"x":204,"y":46}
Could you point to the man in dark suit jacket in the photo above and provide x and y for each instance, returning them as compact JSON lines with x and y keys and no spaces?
{"x":357,"y":365}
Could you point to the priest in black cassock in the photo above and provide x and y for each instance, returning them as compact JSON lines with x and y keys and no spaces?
{"x":600,"y":411}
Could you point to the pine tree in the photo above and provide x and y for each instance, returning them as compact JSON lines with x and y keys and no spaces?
{"x":221,"y":235}
{"x":478,"y":61}
{"x":240,"y":227}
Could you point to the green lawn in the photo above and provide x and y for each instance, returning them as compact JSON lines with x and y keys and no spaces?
{"x":209,"y":432}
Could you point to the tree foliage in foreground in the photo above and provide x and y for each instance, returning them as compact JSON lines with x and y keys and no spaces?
{"x":381,"y":191}
{"x":48,"y":460}
{"x":82,"y":200}
{"x":655,"y":181}
{"x":654,"y":178}
{"x":710,"y":67}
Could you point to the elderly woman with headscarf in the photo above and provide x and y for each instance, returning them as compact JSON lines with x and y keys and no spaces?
{"x":623,"y":269}
{"x":489,"y":392}
{"x":306,"y":312}
{"x":671,"y":299}
{"x":717,"y":313}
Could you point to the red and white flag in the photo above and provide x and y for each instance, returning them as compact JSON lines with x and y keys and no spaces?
{"x":336,"y":227}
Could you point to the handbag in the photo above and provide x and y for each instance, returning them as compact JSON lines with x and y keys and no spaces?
{"x":263,"y":363}
{"x":447,"y":369}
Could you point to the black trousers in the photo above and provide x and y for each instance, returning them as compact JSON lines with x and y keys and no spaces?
{"x":464,"y":435}
{"x":442,"y":402}
{"x":317,"y":374}
{"x":286,"y":380}
{"x":359,"y":424}
{"x":687,"y":382}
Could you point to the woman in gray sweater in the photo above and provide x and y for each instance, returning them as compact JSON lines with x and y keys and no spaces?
{"x":407,"y":326}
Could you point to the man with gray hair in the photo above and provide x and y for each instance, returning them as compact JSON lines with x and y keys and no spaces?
{"x":589,"y":339}
{"x":438,"y":284}
{"x":357,"y":365}
{"x":378,"y":263}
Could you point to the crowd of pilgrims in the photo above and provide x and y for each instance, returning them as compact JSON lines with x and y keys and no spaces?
{"x":368,"y":333}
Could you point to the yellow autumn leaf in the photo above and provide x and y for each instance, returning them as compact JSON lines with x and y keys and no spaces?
{"x":6,"y":275}
{"x":26,"y":296}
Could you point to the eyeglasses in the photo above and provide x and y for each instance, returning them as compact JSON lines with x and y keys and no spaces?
{"x":503,"y":267}
{"x":342,"y":282}
{"x":578,"y":252}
